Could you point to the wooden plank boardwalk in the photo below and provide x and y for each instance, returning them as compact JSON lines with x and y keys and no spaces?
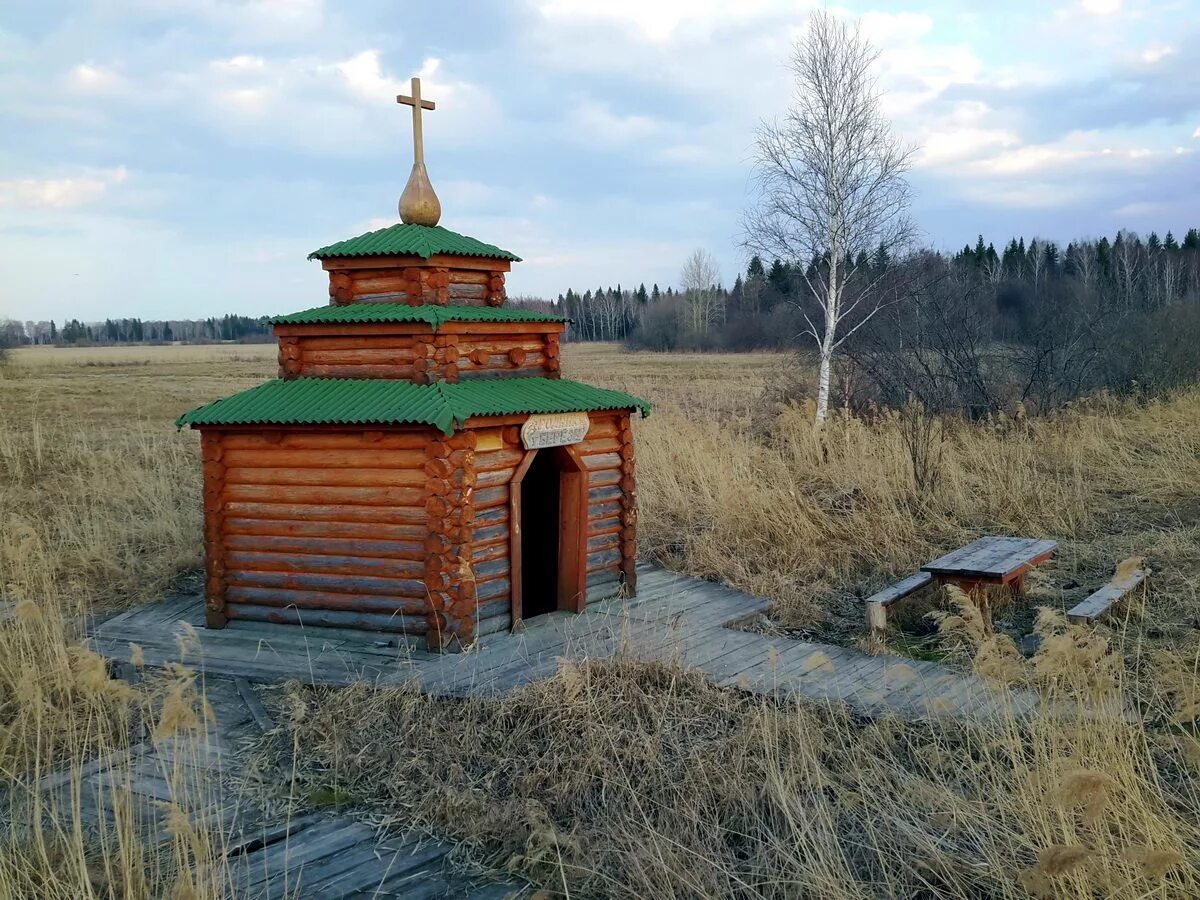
{"x":330,"y":854}
{"x":325,"y":854}
{"x":674,"y":618}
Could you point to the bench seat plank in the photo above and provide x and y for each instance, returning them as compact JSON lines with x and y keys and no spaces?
{"x":878,"y":603}
{"x":1096,"y":604}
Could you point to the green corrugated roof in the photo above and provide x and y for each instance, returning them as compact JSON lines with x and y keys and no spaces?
{"x":412,"y":240}
{"x":399,"y":312}
{"x":363,"y":401}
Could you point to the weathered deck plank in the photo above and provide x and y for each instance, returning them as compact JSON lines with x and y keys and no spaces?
{"x":674,"y":618}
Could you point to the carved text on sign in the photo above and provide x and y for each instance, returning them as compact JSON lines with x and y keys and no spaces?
{"x":554,"y":430}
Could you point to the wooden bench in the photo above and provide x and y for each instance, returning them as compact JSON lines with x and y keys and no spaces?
{"x":1129,"y":575}
{"x":877,"y":604}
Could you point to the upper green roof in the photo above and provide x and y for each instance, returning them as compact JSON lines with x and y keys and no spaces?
{"x":433,"y":316}
{"x":373,"y":401}
{"x":412,"y":240}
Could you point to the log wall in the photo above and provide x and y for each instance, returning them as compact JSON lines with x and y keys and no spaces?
{"x":399,"y":530}
{"x":412,"y":280}
{"x":417,"y":353}
{"x":607,"y":452}
{"x":319,"y":527}
{"x":490,"y":558}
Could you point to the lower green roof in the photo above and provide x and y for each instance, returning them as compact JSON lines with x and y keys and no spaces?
{"x":431,"y":315}
{"x":373,"y":401}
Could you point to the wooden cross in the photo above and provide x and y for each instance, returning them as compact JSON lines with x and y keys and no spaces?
{"x":417,"y":105}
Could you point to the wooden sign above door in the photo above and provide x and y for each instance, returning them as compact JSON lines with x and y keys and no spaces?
{"x":554,"y":430}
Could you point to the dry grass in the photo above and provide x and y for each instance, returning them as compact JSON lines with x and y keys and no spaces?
{"x":638,"y":780}
{"x":622,"y":779}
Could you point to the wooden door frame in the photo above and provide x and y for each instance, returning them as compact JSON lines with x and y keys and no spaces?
{"x":572,"y":528}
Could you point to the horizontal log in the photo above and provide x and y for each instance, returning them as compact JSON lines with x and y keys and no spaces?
{"x":350,"y":496}
{"x":481,"y":374}
{"x":495,"y":516}
{"x":408,"y":550}
{"x":491,"y":569}
{"x":603,"y":542}
{"x":340,"y":584}
{"x":496,"y":549}
{"x":491,"y":479}
{"x":412,"y":438}
{"x":311,"y":330}
{"x":404,"y":371}
{"x":603,"y":577}
{"x":490,"y":497}
{"x":493,"y":589}
{"x":501,"y":344}
{"x":316,"y":512}
{"x":602,"y":477}
{"x":603,"y":558}
{"x":603,"y":494}
{"x":492,"y":460}
{"x":269,"y":561}
{"x":591,"y":446}
{"x":464,"y":276}
{"x":327,"y":618}
{"x":485,"y":534}
{"x":606,"y":525}
{"x":602,"y":428}
{"x":378,"y":281}
{"x":502,"y":607}
{"x":600,"y":511}
{"x":326,"y":476}
{"x":467,"y":291}
{"x":326,"y":600}
{"x":494,"y":624}
{"x":360,"y":456}
{"x":396,"y":343}
{"x":595,"y":462}
{"x":359,"y":356}
{"x":491,"y":328}
{"x":382,"y":297}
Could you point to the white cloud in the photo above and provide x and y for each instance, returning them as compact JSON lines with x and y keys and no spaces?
{"x":240,"y":63}
{"x":364,"y":76}
{"x":659,"y":20}
{"x":1196,"y":133}
{"x":1101,"y":7}
{"x":1156,"y":53}
{"x":593,"y":121}
{"x":90,"y":77}
{"x":59,"y":193}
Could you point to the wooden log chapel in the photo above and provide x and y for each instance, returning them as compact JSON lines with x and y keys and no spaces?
{"x":419,"y":466}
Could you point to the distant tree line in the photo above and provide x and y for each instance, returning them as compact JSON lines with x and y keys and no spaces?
{"x":230,"y":328}
{"x":763,"y":308}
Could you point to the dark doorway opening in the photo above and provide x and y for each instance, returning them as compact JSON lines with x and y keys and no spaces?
{"x":539,"y":529}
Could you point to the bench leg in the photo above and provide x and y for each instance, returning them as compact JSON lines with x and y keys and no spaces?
{"x":876,"y":616}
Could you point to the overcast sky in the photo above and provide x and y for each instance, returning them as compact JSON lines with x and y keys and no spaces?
{"x":180,"y":158}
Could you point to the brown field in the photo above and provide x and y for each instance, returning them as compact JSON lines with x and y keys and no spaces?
{"x":630,"y":780}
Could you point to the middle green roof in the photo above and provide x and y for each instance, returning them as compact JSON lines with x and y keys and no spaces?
{"x":433,"y":316}
{"x":371,"y":401}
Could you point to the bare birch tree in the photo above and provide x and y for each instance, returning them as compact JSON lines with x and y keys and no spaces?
{"x":698,"y":281}
{"x":831,"y":184}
